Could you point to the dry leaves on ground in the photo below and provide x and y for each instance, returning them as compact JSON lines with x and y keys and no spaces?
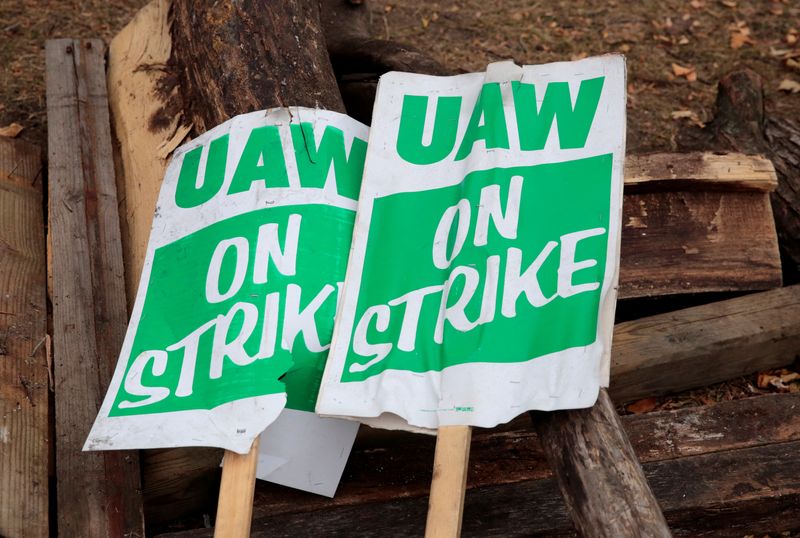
{"x":688,"y":72}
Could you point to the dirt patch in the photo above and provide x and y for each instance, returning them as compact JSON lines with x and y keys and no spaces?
{"x":24,"y":27}
{"x":676,"y":50}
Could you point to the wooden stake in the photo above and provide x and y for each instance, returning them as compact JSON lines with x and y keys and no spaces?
{"x":450,"y":464}
{"x":235,"y":508}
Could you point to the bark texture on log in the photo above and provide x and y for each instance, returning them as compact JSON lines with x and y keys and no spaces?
{"x":602,"y":482}
{"x":741,"y":124}
{"x":237,"y":57}
{"x":230,"y":58}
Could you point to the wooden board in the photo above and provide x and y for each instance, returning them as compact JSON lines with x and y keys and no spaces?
{"x":98,"y":493}
{"x":707,"y":344}
{"x":697,"y":241}
{"x":705,"y":461}
{"x":699,"y":170}
{"x":24,"y":372}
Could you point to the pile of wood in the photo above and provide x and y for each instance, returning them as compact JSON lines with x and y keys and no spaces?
{"x":697,"y":227}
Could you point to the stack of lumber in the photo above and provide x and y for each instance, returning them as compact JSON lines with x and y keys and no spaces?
{"x":697,"y":227}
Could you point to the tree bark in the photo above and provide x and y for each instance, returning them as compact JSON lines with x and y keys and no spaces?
{"x":237,"y":57}
{"x":602,"y":482}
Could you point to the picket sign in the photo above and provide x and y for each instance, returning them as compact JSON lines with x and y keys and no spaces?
{"x":482,"y":279}
{"x":236,"y":303}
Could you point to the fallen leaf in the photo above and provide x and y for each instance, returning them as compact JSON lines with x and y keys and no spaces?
{"x":11,"y":131}
{"x":642,"y":406}
{"x":728,"y":3}
{"x":788,"y":85}
{"x":792,"y":37}
{"x":687,"y":115}
{"x":739,"y":39}
{"x":690,"y":73}
{"x":697,"y":4}
{"x":792,"y":64}
{"x":764,"y":379}
{"x":789,"y":377}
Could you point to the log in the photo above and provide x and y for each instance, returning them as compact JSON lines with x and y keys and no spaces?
{"x":599,"y":465}
{"x":147,"y":123}
{"x":687,"y":242}
{"x":707,"y":344}
{"x":99,"y":494}
{"x":709,"y":466}
{"x":24,"y":370}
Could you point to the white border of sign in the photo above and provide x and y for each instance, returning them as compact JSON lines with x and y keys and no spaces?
{"x":555,"y":381}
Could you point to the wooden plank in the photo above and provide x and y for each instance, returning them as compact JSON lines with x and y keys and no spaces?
{"x":697,"y":241}
{"x":98,"y":493}
{"x":707,"y":344}
{"x":600,"y":479}
{"x":693,"y":458}
{"x":699,"y":170}
{"x":148,"y":125}
{"x":24,"y":372}
{"x":398,"y":465}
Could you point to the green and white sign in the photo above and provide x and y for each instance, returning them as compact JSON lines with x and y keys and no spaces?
{"x":237,"y":298}
{"x":482,"y":281}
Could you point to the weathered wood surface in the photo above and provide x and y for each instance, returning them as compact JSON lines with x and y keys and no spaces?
{"x":24,"y":371}
{"x":99,"y":494}
{"x":710,"y":467}
{"x":599,"y":465}
{"x":670,"y":352}
{"x":237,"y":57}
{"x":697,"y":241}
{"x":698,"y":346}
{"x":699,"y":170}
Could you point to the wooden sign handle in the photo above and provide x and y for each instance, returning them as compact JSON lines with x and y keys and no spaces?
{"x":450,"y":464}
{"x":236,"y":490}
